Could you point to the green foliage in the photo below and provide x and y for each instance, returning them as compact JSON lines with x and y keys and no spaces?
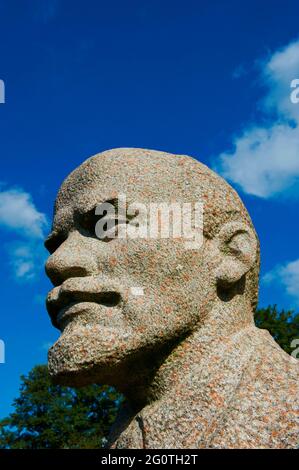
{"x":51,"y":416}
{"x":283,"y":325}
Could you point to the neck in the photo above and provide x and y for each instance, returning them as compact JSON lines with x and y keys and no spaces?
{"x":224,"y":320}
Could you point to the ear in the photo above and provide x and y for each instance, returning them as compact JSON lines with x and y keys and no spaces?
{"x":237,"y":250}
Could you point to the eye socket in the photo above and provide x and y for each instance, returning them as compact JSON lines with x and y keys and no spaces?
{"x":87,"y":222}
{"x":53,"y":242}
{"x":89,"y":219}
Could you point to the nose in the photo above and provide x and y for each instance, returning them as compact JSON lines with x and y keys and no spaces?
{"x":71,"y":259}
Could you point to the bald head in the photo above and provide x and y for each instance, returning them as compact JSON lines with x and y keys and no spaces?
{"x":152,"y":176}
{"x":96,"y":282}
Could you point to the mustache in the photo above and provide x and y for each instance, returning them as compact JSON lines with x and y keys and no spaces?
{"x":97,"y":289}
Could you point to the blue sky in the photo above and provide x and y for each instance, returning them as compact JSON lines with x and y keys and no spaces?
{"x":205,"y":78}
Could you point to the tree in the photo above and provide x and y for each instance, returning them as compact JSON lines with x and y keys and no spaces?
{"x":283,"y":325}
{"x":52,"y":416}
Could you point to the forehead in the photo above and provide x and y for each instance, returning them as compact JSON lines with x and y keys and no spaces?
{"x":147,"y":176}
{"x":141,"y":175}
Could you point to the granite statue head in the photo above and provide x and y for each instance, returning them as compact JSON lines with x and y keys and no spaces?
{"x":123,"y":304}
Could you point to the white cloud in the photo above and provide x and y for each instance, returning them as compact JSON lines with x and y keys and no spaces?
{"x":26,"y":259}
{"x":288,"y":276}
{"x":265,"y":159}
{"x":278,"y":73}
{"x":24,"y":269}
{"x":18,"y":213}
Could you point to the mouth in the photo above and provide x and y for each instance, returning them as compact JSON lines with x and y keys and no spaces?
{"x":62,"y":301}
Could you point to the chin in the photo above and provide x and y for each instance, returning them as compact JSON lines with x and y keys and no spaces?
{"x":82,"y":356}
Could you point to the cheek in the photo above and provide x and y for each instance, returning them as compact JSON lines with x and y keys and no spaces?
{"x":161,"y":315}
{"x":168,"y":281}
{"x":156,"y":260}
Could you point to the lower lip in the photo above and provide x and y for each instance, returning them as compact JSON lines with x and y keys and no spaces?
{"x":72,"y":310}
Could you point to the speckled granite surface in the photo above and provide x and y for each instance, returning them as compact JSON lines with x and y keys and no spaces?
{"x":195,"y":370}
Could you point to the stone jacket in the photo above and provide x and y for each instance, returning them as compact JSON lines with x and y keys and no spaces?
{"x":244,"y":393}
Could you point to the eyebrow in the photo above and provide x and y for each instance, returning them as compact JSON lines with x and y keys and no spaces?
{"x":56,"y":237}
{"x":85,"y":209}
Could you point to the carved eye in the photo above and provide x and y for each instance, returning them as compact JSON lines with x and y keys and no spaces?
{"x":89,"y":220}
{"x":108,"y":211}
{"x":53,"y":242}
